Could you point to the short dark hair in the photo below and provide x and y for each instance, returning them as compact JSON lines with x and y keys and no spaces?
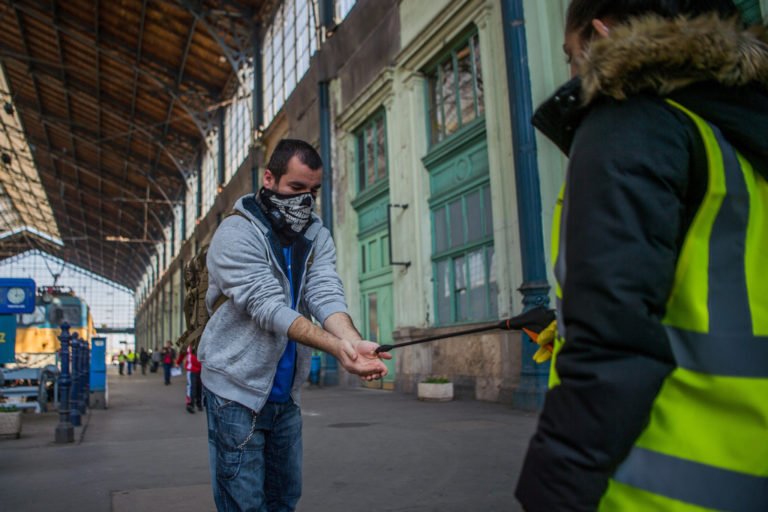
{"x":287,"y":149}
{"x":582,"y":12}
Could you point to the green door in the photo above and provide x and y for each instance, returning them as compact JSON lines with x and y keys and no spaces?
{"x":377,"y":326}
{"x":375,"y":272}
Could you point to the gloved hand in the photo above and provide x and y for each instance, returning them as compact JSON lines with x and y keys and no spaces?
{"x":545,"y":339}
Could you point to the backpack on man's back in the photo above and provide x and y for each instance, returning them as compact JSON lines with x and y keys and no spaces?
{"x":195,"y":288}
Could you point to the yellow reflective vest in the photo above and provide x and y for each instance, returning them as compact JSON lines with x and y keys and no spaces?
{"x":706,"y":445}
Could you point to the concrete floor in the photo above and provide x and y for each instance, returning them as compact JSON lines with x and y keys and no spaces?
{"x":363,"y":450}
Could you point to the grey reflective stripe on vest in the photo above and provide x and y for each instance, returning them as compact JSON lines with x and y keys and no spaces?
{"x":726,"y":354}
{"x":728,"y":348}
{"x":728,"y":300}
{"x":693,"y":482}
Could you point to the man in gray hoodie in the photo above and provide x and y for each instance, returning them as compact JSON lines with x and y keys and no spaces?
{"x":271,"y":267}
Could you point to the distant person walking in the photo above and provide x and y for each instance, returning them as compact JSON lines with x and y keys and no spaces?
{"x":121,"y":362}
{"x":156,"y":360}
{"x":131,"y":357}
{"x":143,"y":360}
{"x":194,"y":384}
{"x":167,"y":356}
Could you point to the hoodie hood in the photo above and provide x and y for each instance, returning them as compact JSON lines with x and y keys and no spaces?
{"x":714,"y":67}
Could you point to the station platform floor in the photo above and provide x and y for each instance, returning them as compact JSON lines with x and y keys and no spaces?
{"x":364,"y":450}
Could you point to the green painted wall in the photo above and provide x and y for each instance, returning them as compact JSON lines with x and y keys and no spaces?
{"x":750,"y":9}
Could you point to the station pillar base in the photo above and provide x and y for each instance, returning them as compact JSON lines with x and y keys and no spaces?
{"x":98,"y":400}
{"x":65,"y":433}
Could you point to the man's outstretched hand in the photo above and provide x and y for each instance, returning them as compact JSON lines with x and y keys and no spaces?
{"x":340,"y":339}
{"x":361,"y":359}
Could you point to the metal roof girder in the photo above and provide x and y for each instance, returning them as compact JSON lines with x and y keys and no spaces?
{"x":165,"y":87}
{"x":235,"y":42}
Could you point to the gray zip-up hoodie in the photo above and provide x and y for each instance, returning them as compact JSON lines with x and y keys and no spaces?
{"x":245,"y":338}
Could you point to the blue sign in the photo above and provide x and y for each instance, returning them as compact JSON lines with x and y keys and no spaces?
{"x":98,"y":364}
{"x":7,"y":339}
{"x":16,"y":295}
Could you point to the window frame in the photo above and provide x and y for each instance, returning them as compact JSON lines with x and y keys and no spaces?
{"x":238,"y":119}
{"x":210,"y":181}
{"x":359,"y":135}
{"x":69,"y":312}
{"x":469,"y":38}
{"x":463,"y":250}
{"x":277,"y":86}
{"x":342,"y":8}
{"x":190,"y":207}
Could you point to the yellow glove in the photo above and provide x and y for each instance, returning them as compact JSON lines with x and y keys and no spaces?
{"x":545,"y":340}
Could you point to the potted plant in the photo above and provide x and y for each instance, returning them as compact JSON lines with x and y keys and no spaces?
{"x":10,"y":421}
{"x":435,"y":390}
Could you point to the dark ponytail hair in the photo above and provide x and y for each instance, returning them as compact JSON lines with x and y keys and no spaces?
{"x":582,"y":12}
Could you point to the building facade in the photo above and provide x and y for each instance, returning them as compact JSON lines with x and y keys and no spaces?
{"x":410,"y":103}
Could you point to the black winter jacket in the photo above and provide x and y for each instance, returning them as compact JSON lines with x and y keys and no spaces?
{"x":635,"y":179}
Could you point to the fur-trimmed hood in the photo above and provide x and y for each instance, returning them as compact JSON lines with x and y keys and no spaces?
{"x":714,"y":67}
{"x":657,"y":55}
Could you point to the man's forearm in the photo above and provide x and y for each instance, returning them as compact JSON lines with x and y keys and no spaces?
{"x":305,"y":332}
{"x":340,"y":324}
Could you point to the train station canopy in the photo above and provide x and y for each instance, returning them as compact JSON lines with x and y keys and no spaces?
{"x":106,"y":105}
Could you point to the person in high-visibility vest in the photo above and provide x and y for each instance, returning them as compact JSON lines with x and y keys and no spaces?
{"x":131,"y":358}
{"x":660,"y":392}
{"x":121,"y":361}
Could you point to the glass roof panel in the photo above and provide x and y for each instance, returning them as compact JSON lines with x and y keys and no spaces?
{"x":24,"y":205}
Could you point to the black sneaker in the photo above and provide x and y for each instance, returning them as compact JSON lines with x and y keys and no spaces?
{"x":190,"y":409}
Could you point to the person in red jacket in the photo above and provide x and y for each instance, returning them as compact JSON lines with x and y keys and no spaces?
{"x":194,"y":384}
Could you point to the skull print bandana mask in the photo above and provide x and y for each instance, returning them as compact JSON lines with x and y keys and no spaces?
{"x":295,"y":209}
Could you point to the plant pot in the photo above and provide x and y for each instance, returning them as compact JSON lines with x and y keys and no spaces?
{"x":430,"y":392}
{"x":10,"y":424}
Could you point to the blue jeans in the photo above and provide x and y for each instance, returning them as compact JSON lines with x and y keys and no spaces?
{"x":255,"y":457}
{"x":167,"y":372}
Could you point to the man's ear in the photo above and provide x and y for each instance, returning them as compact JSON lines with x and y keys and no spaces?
{"x":600,"y":27}
{"x":268,"y":180}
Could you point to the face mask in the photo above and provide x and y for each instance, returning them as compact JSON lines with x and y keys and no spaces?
{"x":295,"y":209}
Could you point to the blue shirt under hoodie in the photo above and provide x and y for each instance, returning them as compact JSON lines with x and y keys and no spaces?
{"x":281,"y":387}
